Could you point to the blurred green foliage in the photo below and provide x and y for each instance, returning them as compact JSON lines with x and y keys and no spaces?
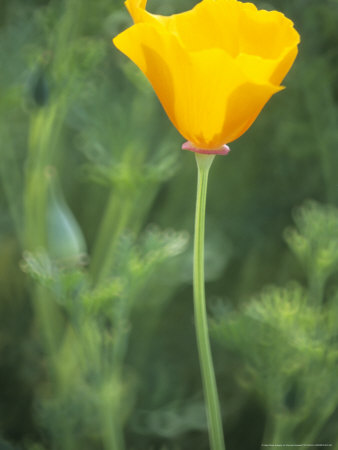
{"x":97,"y":347}
{"x":287,"y":337}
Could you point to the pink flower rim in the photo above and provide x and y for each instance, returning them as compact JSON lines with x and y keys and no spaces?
{"x":224,"y":150}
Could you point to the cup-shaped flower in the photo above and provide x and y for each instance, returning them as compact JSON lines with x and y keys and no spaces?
{"x":214,"y":67}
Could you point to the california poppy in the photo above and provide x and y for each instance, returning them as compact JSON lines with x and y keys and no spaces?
{"x":214,"y":67}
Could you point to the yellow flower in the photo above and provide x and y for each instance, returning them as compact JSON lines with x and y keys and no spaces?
{"x":214,"y":67}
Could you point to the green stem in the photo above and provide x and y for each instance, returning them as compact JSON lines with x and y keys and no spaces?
{"x":207,"y":369}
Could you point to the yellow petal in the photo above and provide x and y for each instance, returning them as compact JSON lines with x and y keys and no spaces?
{"x":196,"y":89}
{"x":263,"y":70}
{"x":231,"y":25}
{"x":139,"y":14}
{"x":161,"y":59}
{"x":265,"y":33}
{"x":213,"y":68}
{"x":244,"y":105}
{"x":284,"y":65}
{"x":132,"y":5}
{"x":137,"y":10}
{"x":210,"y":24}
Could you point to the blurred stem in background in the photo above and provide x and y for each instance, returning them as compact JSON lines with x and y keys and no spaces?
{"x":45,"y":128}
{"x":44,"y":146}
{"x":43,"y":141}
{"x":135,"y":181}
{"x":116,"y":217}
{"x":203,"y":342}
{"x":44,"y":133}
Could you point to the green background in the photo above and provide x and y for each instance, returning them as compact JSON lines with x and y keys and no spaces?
{"x":97,"y":345}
